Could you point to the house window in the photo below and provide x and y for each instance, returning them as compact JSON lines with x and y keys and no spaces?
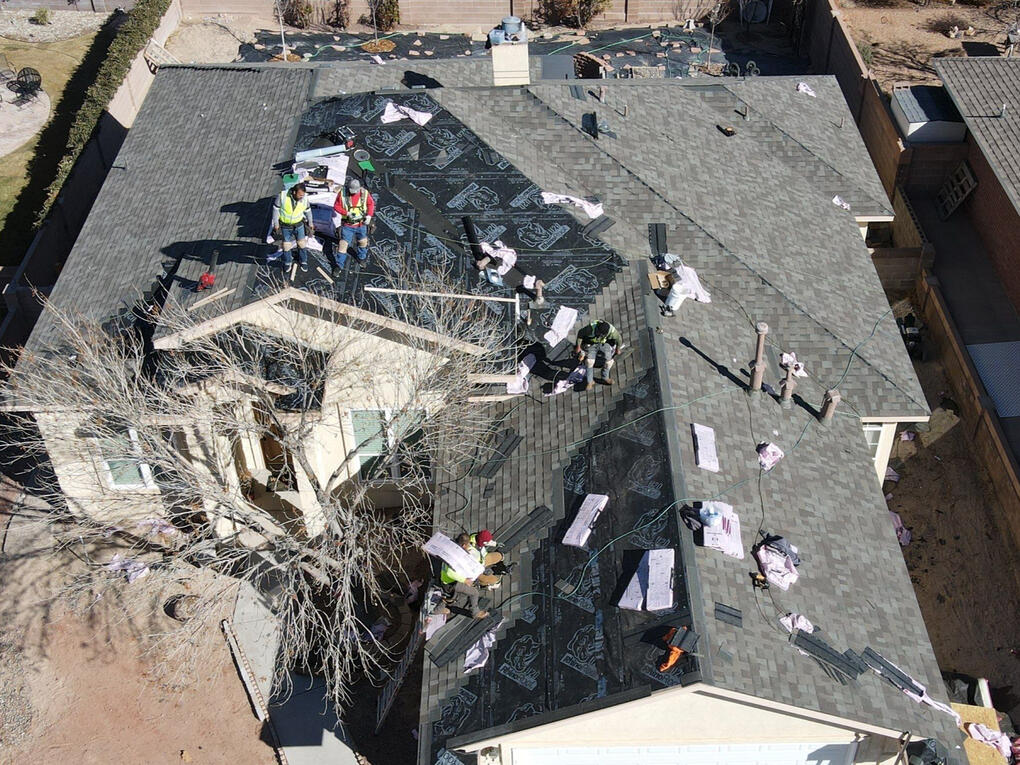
{"x":122,"y":465}
{"x":872,"y":434}
{"x":378,"y":433}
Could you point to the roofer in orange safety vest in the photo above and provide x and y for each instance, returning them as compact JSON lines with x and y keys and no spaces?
{"x":352,"y":213}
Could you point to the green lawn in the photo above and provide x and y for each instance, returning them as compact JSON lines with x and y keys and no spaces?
{"x":57,"y":62}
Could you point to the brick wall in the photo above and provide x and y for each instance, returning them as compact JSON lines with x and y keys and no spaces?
{"x":996,"y":220}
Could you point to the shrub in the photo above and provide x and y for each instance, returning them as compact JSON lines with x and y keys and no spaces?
{"x":297,"y":13}
{"x":867,"y":51}
{"x":41,"y":16}
{"x":386,"y":14}
{"x":572,"y":13}
{"x":131,"y":38}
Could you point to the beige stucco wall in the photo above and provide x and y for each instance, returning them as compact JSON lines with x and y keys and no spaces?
{"x":680,"y":716}
{"x":78,"y":465}
{"x":125,"y":103}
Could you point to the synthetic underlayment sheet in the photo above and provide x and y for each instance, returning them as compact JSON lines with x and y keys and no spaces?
{"x":452,"y":173}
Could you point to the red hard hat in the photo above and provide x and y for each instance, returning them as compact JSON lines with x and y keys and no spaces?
{"x":484,"y":537}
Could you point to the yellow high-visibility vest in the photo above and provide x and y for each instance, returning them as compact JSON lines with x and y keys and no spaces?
{"x":292,"y":211}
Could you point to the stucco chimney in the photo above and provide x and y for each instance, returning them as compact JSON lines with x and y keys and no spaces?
{"x":509,"y":43}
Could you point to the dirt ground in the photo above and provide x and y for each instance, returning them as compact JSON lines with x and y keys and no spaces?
{"x":903,"y":36}
{"x":963,"y":570}
{"x":213,"y":40}
{"x":80,"y":690}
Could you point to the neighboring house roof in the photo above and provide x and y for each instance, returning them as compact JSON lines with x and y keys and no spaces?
{"x":753,"y":213}
{"x":986,"y":90}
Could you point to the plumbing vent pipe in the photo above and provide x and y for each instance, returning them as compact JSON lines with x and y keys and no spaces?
{"x":762,"y":329}
{"x":829,"y":404}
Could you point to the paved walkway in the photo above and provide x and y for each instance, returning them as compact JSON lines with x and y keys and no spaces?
{"x":19,"y":123}
{"x":305,"y":722}
{"x":984,"y":316}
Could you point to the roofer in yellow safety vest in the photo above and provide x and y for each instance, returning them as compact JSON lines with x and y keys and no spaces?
{"x":461,"y":584}
{"x":292,"y":217}
{"x":595,"y":338}
{"x":352,"y":214}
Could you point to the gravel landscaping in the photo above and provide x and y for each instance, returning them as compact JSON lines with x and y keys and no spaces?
{"x":16,"y":25}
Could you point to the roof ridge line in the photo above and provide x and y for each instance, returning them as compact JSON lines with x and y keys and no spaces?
{"x":700,"y":227}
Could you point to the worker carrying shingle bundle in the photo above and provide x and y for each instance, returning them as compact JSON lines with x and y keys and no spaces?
{"x":292,"y":219}
{"x":455,"y":583}
{"x":595,"y":338}
{"x":352,"y":214}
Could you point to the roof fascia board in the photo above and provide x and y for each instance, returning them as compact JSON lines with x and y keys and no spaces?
{"x":874,"y":218}
{"x":178,"y":339}
{"x":916,"y":418}
{"x":400,"y":327}
{"x":505,"y":734}
{"x":788,"y":709}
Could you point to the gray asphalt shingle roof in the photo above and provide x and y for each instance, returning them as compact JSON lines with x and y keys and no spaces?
{"x":823,"y":496}
{"x":752,"y":213}
{"x":194,"y":172}
{"x":981,"y":87}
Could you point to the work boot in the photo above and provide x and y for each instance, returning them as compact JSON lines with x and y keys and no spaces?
{"x":304,"y":268}
{"x":607,"y":380}
{"x":590,"y":385}
{"x":481,"y":614}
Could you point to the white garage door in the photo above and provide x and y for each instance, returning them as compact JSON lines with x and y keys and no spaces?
{"x":724,"y":754}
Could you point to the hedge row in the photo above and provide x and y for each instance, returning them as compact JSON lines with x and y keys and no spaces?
{"x":133,"y":35}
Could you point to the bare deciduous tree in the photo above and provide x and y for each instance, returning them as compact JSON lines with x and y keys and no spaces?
{"x":229,"y":447}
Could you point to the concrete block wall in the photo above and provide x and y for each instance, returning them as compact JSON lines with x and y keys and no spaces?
{"x":199,"y":8}
{"x":996,"y":220}
{"x":928,"y":165}
{"x":985,"y":434}
{"x":880,"y":135}
{"x":898,"y":268}
{"x":465,"y":13}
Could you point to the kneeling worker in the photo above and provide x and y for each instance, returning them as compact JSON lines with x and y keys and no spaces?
{"x":461,"y":584}
{"x":352,"y":212}
{"x":593,"y":339}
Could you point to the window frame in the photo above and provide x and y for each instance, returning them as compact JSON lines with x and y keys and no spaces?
{"x":394,"y":470}
{"x":875,"y":428}
{"x":143,"y":467}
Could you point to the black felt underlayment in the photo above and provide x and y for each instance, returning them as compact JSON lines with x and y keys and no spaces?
{"x":673,"y":49}
{"x":568,"y":649}
{"x":456,"y":174}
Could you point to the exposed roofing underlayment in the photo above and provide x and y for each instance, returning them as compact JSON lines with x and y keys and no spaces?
{"x":752,"y":213}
